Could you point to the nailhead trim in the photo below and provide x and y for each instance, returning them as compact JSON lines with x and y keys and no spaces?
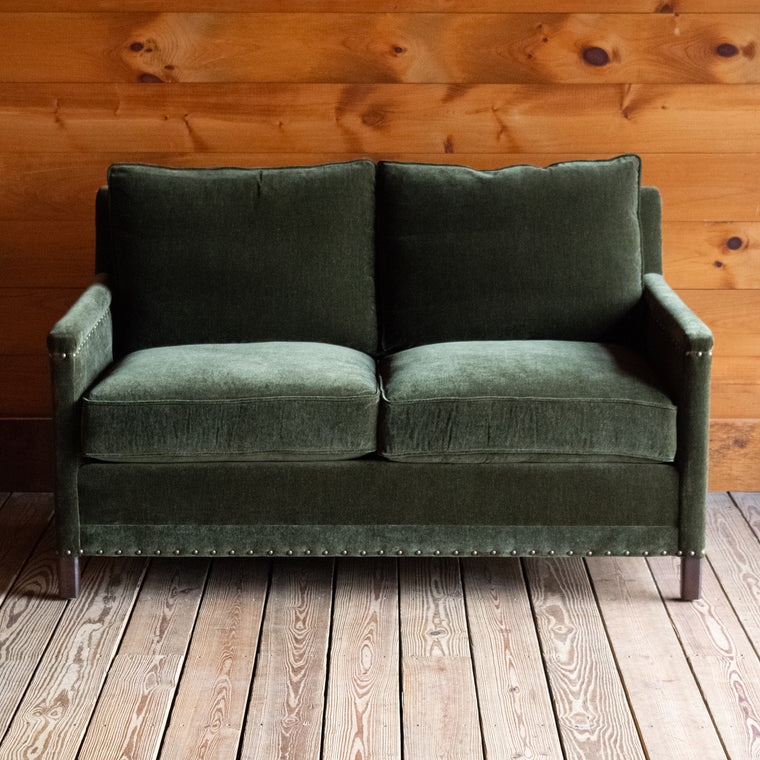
{"x":402,"y":552}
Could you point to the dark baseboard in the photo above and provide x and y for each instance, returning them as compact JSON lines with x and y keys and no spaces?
{"x":26,"y":455}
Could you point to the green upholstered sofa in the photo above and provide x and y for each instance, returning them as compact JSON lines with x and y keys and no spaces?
{"x":380,"y":359}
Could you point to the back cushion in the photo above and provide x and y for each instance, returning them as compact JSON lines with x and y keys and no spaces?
{"x":520,"y":252}
{"x":242,"y":255}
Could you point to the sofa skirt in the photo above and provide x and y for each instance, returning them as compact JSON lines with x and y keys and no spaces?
{"x":378,"y":508}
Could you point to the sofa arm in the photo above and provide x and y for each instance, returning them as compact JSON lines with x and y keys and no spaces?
{"x":680,"y":345}
{"x":80,"y":348}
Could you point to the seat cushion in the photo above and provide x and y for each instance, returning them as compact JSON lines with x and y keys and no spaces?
{"x":519,"y":252}
{"x":532,"y":400}
{"x":251,"y":401}
{"x":215,"y":255}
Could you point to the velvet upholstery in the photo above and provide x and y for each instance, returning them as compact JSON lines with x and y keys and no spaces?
{"x":243,"y":255}
{"x":546,"y":390}
{"x":233,"y":401}
{"x":522,"y":400}
{"x":520,"y":252}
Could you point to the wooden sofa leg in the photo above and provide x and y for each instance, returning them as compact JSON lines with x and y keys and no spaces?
{"x":68,"y":577}
{"x":691,"y":578}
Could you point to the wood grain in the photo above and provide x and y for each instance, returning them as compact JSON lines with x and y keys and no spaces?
{"x":362,"y":713}
{"x":720,"y":655}
{"x":25,"y":518}
{"x":589,"y":699}
{"x":735,"y":452}
{"x":52,"y":718}
{"x":732,"y":317}
{"x":367,"y":47}
{"x":516,"y":713}
{"x":652,"y":664}
{"x":733,"y":551}
{"x":286,"y":704}
{"x":28,"y":619}
{"x":32,"y":312}
{"x":749,"y":505}
{"x":714,"y":255}
{"x":438,"y":118}
{"x":207,"y":716}
{"x":700,"y":187}
{"x":440,"y":717}
{"x":388,"y":6}
{"x":48,"y":253}
{"x":132,"y":710}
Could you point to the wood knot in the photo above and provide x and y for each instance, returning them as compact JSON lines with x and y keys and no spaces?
{"x":136,"y":47}
{"x":147,"y":78}
{"x":734,"y":243}
{"x":373,"y":118}
{"x":665,"y":8}
{"x":398,"y":50}
{"x":727,"y":50}
{"x":595,"y":56}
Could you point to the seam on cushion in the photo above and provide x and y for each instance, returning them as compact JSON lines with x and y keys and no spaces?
{"x":468,"y":452}
{"x":246,"y":399}
{"x":146,"y":457}
{"x":448,"y":399}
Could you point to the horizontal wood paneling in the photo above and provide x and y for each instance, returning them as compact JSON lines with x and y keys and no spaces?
{"x":711,"y":254}
{"x":61,"y":186}
{"x":389,"y":6}
{"x":380,"y":47}
{"x":485,"y":83}
{"x":434,"y":118}
{"x":734,"y":453}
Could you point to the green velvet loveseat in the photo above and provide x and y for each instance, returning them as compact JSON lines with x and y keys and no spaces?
{"x":380,"y":359}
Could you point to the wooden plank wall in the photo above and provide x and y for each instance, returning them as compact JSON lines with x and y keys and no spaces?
{"x":84,"y":83}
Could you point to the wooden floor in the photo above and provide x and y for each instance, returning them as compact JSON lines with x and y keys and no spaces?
{"x":361,"y":659}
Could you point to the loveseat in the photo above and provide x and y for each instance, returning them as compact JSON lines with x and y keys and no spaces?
{"x":386,"y":358}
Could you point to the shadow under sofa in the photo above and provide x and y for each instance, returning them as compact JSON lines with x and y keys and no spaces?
{"x":380,"y":359}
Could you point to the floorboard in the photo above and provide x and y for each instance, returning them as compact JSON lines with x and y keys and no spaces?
{"x":380,"y":659}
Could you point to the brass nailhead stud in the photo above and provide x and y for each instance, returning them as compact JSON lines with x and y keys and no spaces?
{"x":455,"y":552}
{"x":68,"y":552}
{"x":418,"y":552}
{"x":195,"y":551}
{"x":664,"y":552}
{"x":325,"y":552}
{"x":626,"y":554}
{"x":363,"y":553}
{"x":645,"y":553}
{"x":437,"y":552}
{"x":691,"y":554}
{"x":532,"y":552}
{"x":270,"y":552}
{"x":474,"y":552}
{"x":344,"y":552}
{"x":551,"y":552}
{"x":493,"y":551}
{"x":231,"y":552}
{"x":400,"y":552}
{"x":514,"y":552}
{"x":589,"y":554}
{"x":608,"y":554}
{"x":158,"y":551}
{"x":100,"y":551}
{"x":118,"y":551}
{"x":679,"y":553}
{"x":138,"y":551}
{"x":570,"y":553}
{"x":177,"y":551}
{"x":290,"y":552}
{"x":381,"y":552}
{"x":212,"y":552}
{"x":250,"y":552}
{"x":307,"y":551}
